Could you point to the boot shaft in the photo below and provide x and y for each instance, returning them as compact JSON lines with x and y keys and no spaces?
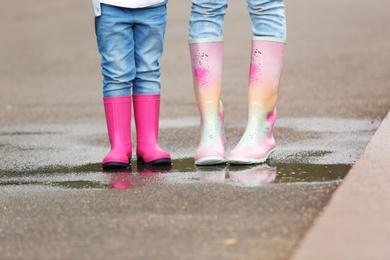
{"x":146,"y":116}
{"x":264,"y":80}
{"x":265,"y":74}
{"x":206,"y":61}
{"x":118,"y":119}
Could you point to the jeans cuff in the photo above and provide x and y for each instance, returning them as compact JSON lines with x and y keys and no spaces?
{"x":268,"y":39}
{"x":203,"y":40}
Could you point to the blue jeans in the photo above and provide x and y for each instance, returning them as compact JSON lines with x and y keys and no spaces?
{"x":207,"y":19}
{"x":130,"y":42}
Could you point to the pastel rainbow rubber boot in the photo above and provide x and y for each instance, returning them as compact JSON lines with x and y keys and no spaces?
{"x":118,"y":119}
{"x":147,"y":115}
{"x":206,"y":60}
{"x":258,"y":141}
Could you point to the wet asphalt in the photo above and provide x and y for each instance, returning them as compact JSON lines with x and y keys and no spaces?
{"x":57,"y":203}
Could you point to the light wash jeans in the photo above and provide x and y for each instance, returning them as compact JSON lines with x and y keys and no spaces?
{"x":130,"y":42}
{"x":207,"y":19}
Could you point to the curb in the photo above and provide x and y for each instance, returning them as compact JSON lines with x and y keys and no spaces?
{"x":356,"y":223}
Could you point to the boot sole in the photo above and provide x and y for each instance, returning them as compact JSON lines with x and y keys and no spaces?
{"x":160,"y":161}
{"x":115,"y":166}
{"x":210,"y":160}
{"x":248,"y":161}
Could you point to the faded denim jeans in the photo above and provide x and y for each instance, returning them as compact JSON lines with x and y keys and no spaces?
{"x":207,"y":19}
{"x":130,"y":42}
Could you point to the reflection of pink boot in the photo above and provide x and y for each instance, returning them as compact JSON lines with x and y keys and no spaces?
{"x":146,"y":115}
{"x":121,"y":180}
{"x":258,"y":141}
{"x":206,"y":60}
{"x":118,"y":118}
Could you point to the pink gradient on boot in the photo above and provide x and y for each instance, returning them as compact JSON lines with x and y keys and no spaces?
{"x":258,"y":141}
{"x":118,"y":118}
{"x":206,"y":59}
{"x":146,"y":115}
{"x":265,"y":73}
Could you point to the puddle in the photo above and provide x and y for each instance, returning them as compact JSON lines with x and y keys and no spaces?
{"x":91,"y":176}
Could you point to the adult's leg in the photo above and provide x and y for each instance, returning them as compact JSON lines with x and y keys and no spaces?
{"x":267,"y":55}
{"x":206,"y":52}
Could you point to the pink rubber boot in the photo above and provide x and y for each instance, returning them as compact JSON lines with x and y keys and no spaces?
{"x":146,"y":115}
{"x":206,"y":60}
{"x":258,"y":141}
{"x":118,"y":118}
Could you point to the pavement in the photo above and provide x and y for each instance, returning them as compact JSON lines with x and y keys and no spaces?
{"x":355,"y":225}
{"x":56,"y":203}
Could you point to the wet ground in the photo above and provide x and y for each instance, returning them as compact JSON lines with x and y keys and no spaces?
{"x":192,"y":221}
{"x":56,"y":203}
{"x":176,"y":212}
{"x":219,"y":212}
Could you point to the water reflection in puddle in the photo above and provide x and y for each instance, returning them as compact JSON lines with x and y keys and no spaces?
{"x":182,"y":171}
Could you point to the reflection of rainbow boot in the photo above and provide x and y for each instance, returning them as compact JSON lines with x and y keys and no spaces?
{"x":206,"y":60}
{"x":212,"y":173}
{"x":213,"y":176}
{"x":253,"y":176}
{"x":258,"y":141}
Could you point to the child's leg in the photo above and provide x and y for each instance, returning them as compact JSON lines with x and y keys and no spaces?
{"x":149,"y":32}
{"x":116,"y":44}
{"x":206,"y":51}
{"x":149,"y":42}
{"x":267,"y":54}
